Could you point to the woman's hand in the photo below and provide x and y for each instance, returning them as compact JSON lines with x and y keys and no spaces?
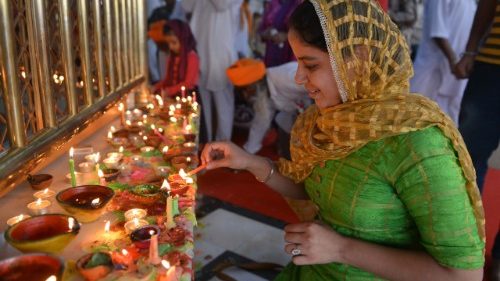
{"x":317,"y":243}
{"x":225,"y":154}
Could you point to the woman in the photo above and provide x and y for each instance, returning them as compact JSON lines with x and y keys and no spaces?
{"x":183,"y":63}
{"x":389,"y":173}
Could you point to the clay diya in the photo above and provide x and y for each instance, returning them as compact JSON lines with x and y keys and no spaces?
{"x":189,"y":137}
{"x":111,"y":174}
{"x":117,"y":142}
{"x":94,"y":266}
{"x":153,"y":140}
{"x":112,"y":163}
{"x":141,"y":237}
{"x":46,"y":233}
{"x":122,"y":133}
{"x":40,"y":181}
{"x":86,"y":202}
{"x":133,"y":129}
{"x":32,"y":267}
{"x":146,"y":193}
{"x":184,"y":161}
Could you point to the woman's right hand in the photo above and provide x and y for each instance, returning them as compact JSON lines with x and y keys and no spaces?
{"x":225,"y":154}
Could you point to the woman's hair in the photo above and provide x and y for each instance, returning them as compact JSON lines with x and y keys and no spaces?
{"x":305,"y":22}
{"x":187,"y":41}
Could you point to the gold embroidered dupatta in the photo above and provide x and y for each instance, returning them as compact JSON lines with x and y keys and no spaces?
{"x":372,"y":68}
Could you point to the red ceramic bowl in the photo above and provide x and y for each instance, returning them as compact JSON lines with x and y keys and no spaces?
{"x":32,"y":267}
{"x":81,"y":201}
{"x":142,"y":237}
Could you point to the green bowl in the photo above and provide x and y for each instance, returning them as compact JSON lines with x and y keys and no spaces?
{"x":86,"y":202}
{"x":46,"y":233}
{"x":32,"y":267}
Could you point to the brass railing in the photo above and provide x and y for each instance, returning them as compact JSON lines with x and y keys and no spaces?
{"x":62,"y":63}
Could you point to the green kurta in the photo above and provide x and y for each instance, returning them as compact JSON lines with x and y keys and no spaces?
{"x":406,"y":191}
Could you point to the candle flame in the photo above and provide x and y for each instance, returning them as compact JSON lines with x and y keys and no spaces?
{"x":189,"y":98}
{"x":51,"y":278}
{"x":165,"y":149}
{"x":171,"y":107}
{"x":183,"y":100}
{"x":120,"y":149}
{"x":188,"y":127}
{"x":151,"y":232}
{"x":97,"y":156}
{"x":71,"y":223}
{"x":182,"y":173}
{"x":96,"y":201}
{"x":189,"y":180}
{"x":183,"y":88}
{"x":153,"y":127}
{"x":144,"y":116}
{"x":165,"y":185}
{"x":165,"y":264}
{"x":45,"y":191}
{"x":128,"y":112}
{"x":106,"y":227}
{"x":160,"y":130}
{"x":100,"y":173}
{"x":124,"y":252}
{"x":177,"y":98}
{"x":120,"y":106}
{"x":128,"y":122}
{"x":170,"y":113}
{"x":178,"y":106}
{"x":71,"y":152}
{"x":110,"y":135}
{"x":188,"y":159}
{"x":145,"y":138}
{"x":39,"y":202}
{"x":112,"y":129}
{"x":140,"y":123}
{"x":173,"y":119}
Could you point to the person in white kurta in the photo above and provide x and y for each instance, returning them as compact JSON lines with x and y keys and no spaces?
{"x":284,"y":96}
{"x":450,"y":20}
{"x":214,"y":24}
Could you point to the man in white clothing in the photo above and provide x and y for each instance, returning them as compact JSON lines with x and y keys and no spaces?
{"x":447,"y":24}
{"x":214,"y":25}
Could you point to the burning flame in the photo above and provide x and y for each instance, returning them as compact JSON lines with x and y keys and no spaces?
{"x":153,"y":127}
{"x":128,"y":122}
{"x":188,"y":159}
{"x":71,"y":152}
{"x":120,"y":149}
{"x":189,"y":180}
{"x":100,"y":173}
{"x":182,"y":173}
{"x":183,"y":100}
{"x":71,"y":223}
{"x":160,"y":130}
{"x":173,"y":119}
{"x":106,"y":227}
{"x":145,"y":138}
{"x":140,"y":123}
{"x":110,"y":135}
{"x":178,"y":106}
{"x":171,"y":107}
{"x":45,"y":191}
{"x":165,"y":185}
{"x":51,"y":278}
{"x":187,"y":128}
{"x":124,"y":252}
{"x":39,"y":202}
{"x":112,"y":129}
{"x":120,"y":106}
{"x":165,"y":264}
{"x":96,"y":201}
{"x":151,"y":232}
{"x":165,"y":149}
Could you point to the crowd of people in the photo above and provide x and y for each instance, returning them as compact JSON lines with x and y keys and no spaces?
{"x":388,"y":138}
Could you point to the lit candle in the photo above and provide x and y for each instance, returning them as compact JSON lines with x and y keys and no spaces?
{"x":170,"y":275}
{"x":97,"y":157}
{"x":51,"y":278}
{"x":134,"y":224}
{"x":102,"y":180}
{"x":71,"y":224}
{"x":175,"y":203}
{"x":183,"y":91}
{"x":135,"y":213}
{"x":184,"y":100}
{"x":154,"y":258}
{"x":72,"y":167}
{"x":194,"y":96}
{"x":110,"y":135}
{"x":121,"y":107}
{"x":120,"y":149}
{"x":39,"y":207}
{"x":17,"y":219}
{"x":173,"y":119}
{"x":128,"y":123}
{"x":44,"y":194}
{"x":106,"y":227}
{"x":112,"y":129}
{"x":170,"y":213}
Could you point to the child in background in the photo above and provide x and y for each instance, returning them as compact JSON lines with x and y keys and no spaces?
{"x":182,"y":63}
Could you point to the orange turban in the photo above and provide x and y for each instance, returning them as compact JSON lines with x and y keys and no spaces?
{"x":155,"y":31}
{"x":246,"y":71}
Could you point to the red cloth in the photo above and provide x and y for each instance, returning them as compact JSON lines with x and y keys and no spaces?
{"x":191,"y":78}
{"x":384,"y":4}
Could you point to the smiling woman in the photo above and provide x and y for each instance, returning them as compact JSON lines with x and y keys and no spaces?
{"x":388,"y":171}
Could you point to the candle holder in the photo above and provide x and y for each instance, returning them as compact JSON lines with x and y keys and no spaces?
{"x":31,"y":267}
{"x":45,"y":233}
{"x":87,"y":167}
{"x":96,"y":271}
{"x":111,"y":174}
{"x":135,"y":213}
{"x":44,"y":194}
{"x":141,"y":237}
{"x":87,"y":202}
{"x":115,"y":155}
{"x":134,"y":224}
{"x":40,"y":181}
{"x":16,"y":219}
{"x":112,"y":163}
{"x":39,"y":207}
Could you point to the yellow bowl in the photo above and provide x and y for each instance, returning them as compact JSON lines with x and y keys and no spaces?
{"x":86,"y":202}
{"x":32,"y":267}
{"x":46,"y":233}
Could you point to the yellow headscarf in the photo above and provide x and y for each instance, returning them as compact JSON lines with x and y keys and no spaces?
{"x":372,"y":68}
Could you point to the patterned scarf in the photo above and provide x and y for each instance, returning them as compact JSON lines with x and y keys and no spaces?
{"x":372,"y":68}
{"x":177,"y":63}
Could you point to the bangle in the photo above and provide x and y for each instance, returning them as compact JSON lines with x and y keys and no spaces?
{"x":271,"y":172}
{"x":470,"y":53}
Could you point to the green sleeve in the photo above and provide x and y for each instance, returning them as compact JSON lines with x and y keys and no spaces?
{"x":430,"y":182}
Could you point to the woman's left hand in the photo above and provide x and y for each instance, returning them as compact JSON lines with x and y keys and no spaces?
{"x":313,"y":243}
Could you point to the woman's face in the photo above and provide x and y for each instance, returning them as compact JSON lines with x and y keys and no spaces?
{"x":173,"y":43}
{"x":314,"y":72}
